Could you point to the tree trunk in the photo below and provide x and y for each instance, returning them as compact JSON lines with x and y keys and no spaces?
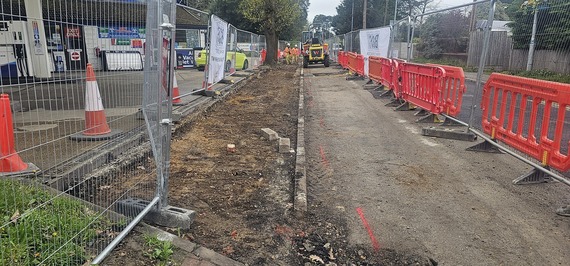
{"x":272,"y":45}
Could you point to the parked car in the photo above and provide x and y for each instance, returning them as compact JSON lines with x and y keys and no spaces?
{"x":241,"y":60}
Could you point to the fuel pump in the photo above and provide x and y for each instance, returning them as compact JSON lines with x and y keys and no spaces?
{"x":15,"y":61}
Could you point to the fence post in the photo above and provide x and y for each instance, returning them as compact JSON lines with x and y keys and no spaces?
{"x":390,"y":43}
{"x":482,"y":61}
{"x":166,"y":123}
{"x":532,"y":40}
{"x":410,"y":39}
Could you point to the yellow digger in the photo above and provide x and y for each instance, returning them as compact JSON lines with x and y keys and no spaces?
{"x":315,"y":52}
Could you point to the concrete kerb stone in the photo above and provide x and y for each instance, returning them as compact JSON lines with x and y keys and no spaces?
{"x":300,"y":197}
{"x":284,"y":145}
{"x":198,"y":252}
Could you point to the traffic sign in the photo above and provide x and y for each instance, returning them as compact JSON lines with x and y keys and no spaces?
{"x":75,"y":56}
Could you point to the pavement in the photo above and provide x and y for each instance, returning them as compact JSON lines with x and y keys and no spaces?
{"x":472,"y":76}
{"x":420,"y":194}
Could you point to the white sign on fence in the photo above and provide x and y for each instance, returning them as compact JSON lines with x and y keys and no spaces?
{"x":374,"y":42}
{"x":217,"y":58}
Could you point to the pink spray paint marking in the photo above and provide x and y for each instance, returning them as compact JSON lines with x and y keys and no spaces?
{"x":375,"y":243}
{"x":323,"y":157}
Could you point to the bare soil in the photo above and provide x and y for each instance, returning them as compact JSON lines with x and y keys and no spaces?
{"x":244,"y":198}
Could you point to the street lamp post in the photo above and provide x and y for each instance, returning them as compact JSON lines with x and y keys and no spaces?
{"x":532,"y":45}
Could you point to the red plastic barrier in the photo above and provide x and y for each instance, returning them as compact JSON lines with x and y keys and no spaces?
{"x":375,"y":68}
{"x":360,"y":65}
{"x":343,"y":59}
{"x":396,"y":80}
{"x":421,"y":86}
{"x":453,"y":89}
{"x":542,"y":96}
{"x":352,"y":61}
{"x":386,"y":79}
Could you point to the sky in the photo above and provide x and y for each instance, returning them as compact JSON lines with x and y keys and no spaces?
{"x":328,"y":7}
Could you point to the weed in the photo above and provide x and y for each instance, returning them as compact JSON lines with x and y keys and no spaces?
{"x":159,"y":250}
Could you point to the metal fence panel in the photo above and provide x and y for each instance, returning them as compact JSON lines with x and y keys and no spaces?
{"x":231,"y":58}
{"x":72,"y":89}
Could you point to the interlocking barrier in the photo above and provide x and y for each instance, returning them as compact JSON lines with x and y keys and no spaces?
{"x":352,"y":62}
{"x":529,"y":115}
{"x":386,"y":74}
{"x":359,"y":65}
{"x":422,"y":86}
{"x":453,"y":89}
{"x":375,"y":68}
{"x":344,"y":60}
{"x":340,"y":59}
{"x":396,"y":80}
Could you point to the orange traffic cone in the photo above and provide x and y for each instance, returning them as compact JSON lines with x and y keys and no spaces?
{"x":210,"y":87}
{"x":10,"y":161}
{"x":96,"y":127}
{"x":176,"y":100}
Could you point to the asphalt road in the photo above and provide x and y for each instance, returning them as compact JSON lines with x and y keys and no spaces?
{"x":421,"y":194}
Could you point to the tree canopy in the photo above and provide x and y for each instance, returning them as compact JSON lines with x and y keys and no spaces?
{"x":229,"y":11}
{"x":198,"y":4}
{"x":552,"y":27}
{"x":444,"y":33}
{"x":379,"y":13}
{"x":274,"y":17}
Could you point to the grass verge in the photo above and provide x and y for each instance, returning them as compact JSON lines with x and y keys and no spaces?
{"x":38,"y":228}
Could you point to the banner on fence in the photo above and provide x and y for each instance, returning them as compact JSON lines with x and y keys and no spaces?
{"x":374,"y":42}
{"x":217,"y":58}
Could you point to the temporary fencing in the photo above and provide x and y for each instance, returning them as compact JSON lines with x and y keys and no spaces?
{"x":453,"y":89}
{"x":352,"y":42}
{"x":376,"y":68}
{"x":335,"y":45}
{"x":72,"y":87}
{"x":249,"y":44}
{"x":529,"y":115}
{"x":230,"y":50}
{"x":421,"y":86}
{"x":447,"y":39}
{"x":353,"y":62}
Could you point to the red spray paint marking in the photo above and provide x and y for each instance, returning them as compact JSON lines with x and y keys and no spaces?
{"x":323,"y":157}
{"x":322,"y":122}
{"x":375,"y":243}
{"x":310,"y":104}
